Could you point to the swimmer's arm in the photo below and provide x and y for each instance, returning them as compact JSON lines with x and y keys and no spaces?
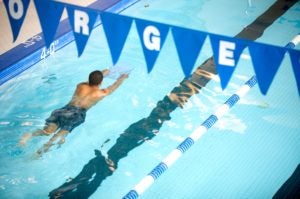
{"x":115,"y":85}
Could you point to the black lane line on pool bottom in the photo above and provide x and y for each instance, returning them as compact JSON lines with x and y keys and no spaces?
{"x":97,"y":169}
{"x":291,"y":188}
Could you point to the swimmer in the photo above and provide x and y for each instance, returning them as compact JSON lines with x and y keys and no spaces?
{"x":65,"y":119}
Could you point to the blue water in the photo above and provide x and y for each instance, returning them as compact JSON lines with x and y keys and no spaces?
{"x":249,"y":153}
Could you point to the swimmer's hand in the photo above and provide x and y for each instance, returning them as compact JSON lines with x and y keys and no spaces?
{"x":105,"y":72}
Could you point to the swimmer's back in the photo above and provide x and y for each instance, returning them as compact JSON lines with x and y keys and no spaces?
{"x":85,"y":96}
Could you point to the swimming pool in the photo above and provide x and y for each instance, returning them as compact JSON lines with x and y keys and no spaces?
{"x":248,"y":154}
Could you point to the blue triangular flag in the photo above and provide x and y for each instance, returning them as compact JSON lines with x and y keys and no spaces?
{"x":227,"y":52}
{"x":82,"y":23}
{"x":152,"y":36}
{"x":49,"y":13}
{"x":266,"y":60}
{"x":188,"y":44}
{"x":295,"y":58}
{"x":16,"y":11}
{"x":116,"y":29}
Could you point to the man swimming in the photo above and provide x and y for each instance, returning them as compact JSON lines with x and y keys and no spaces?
{"x":65,"y":119}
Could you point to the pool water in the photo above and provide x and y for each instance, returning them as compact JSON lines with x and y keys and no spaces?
{"x":249,"y":153}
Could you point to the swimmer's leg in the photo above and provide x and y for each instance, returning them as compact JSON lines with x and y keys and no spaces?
{"x":61,"y":134}
{"x":48,"y":129}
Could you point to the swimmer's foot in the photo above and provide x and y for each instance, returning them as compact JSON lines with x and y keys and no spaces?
{"x":60,"y":142}
{"x":45,"y":148}
{"x":24,"y":139}
{"x":110,"y":164}
{"x":36,"y":155}
{"x":39,"y":152}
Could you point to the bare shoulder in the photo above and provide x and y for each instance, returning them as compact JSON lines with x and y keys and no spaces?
{"x":103,"y":92}
{"x":99,"y":93}
{"x":82,"y":84}
{"x":82,"y":87}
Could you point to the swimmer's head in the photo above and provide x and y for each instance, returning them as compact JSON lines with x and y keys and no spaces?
{"x":95,"y":78}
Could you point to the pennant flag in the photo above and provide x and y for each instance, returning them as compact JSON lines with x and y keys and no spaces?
{"x":188,"y":44}
{"x":266,"y":60}
{"x":152,"y":36}
{"x":49,"y":13}
{"x":295,"y":58}
{"x":82,"y":23}
{"x":16,"y":11}
{"x":116,"y":29}
{"x":227,"y":52}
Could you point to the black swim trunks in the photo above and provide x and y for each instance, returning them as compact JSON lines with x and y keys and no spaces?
{"x":67,"y":117}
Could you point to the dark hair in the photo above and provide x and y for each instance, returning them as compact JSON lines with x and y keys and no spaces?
{"x":95,"y":78}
